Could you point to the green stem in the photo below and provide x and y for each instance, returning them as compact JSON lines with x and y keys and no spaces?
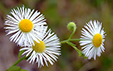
{"x":71,"y":44}
{"x":68,"y":40}
{"x":19,"y":61}
{"x":64,"y":41}
{"x":72,"y":33}
{"x":78,"y":51}
{"x":75,"y":39}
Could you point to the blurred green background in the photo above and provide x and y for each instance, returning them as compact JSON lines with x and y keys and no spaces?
{"x":58,"y":14}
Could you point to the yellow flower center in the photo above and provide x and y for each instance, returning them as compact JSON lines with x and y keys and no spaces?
{"x":97,"y":40}
{"x":25,"y":25}
{"x":39,"y":47}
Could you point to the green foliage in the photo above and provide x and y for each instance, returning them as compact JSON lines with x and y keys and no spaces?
{"x":23,"y":70}
{"x":20,"y":54}
{"x":15,"y":68}
{"x":96,"y":3}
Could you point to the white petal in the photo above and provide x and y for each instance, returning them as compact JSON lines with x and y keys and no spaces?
{"x":88,"y":33}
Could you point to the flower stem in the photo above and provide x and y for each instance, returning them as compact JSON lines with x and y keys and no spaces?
{"x":68,"y":40}
{"x":71,"y":44}
{"x":19,"y":61}
{"x":75,"y":39}
{"x":78,"y":51}
{"x":72,"y":33}
{"x":64,"y":41}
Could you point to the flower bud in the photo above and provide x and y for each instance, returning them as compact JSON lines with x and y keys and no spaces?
{"x":71,"y":26}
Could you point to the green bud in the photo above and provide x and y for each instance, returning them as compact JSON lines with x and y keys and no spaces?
{"x":80,"y":54}
{"x":71,"y":26}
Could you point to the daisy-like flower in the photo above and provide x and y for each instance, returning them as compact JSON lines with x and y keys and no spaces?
{"x":46,"y":51}
{"x":23,"y":24}
{"x":93,"y":37}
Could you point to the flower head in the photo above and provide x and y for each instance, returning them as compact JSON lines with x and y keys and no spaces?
{"x":93,"y":37}
{"x":45,"y":51}
{"x":24,"y":24}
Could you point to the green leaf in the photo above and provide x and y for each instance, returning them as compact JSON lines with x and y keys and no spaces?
{"x":20,"y":54}
{"x":23,"y":70}
{"x":14,"y":68}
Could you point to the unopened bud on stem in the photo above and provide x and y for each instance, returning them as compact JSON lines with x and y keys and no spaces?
{"x":71,"y":26}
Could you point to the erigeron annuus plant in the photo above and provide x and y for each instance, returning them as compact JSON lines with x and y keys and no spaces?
{"x":94,"y":36}
{"x":40,"y":45}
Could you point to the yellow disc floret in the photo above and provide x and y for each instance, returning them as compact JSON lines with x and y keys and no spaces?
{"x":39,"y":47}
{"x":25,"y":25}
{"x":97,"y":40}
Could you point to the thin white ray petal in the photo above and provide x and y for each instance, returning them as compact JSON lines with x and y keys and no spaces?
{"x":33,"y":17}
{"x":88,"y":32}
{"x":45,"y":60}
{"x":48,"y":58}
{"x":24,"y":49}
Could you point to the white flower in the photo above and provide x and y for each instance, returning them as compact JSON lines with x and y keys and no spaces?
{"x":24,"y":24}
{"x":45,"y":51}
{"x":93,"y":37}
